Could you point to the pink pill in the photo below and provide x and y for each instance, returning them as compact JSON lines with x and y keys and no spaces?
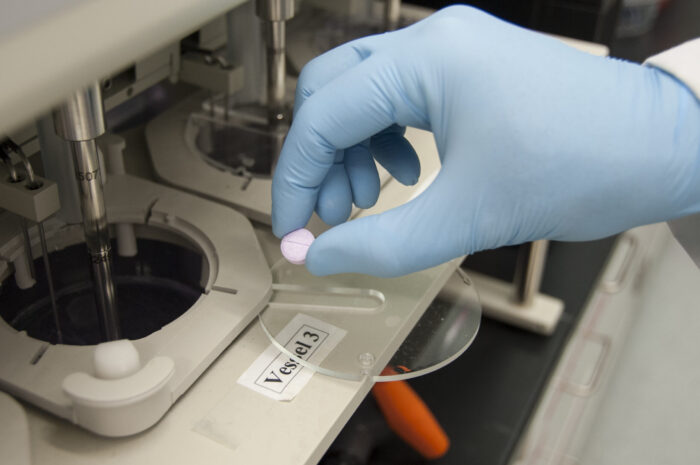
{"x":295,"y":245}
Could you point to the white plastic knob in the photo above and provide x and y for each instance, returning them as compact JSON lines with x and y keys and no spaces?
{"x":116,"y":359}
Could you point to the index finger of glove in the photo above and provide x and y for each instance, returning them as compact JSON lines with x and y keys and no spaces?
{"x":351,"y":108}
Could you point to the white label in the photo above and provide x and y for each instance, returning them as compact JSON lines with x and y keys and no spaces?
{"x":277,"y":375}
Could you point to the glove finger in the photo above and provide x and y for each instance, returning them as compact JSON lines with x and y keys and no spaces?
{"x":396,"y":154}
{"x":326,"y":67}
{"x":335,"y":196}
{"x":346,"y":111}
{"x":417,"y":235}
{"x":363,"y":176}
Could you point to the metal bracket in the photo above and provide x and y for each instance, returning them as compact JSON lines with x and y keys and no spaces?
{"x":210,"y":74}
{"x":520,"y":303}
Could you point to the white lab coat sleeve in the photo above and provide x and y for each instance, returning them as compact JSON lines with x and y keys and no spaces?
{"x":683,"y":62}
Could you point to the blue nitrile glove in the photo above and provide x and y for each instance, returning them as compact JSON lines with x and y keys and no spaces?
{"x":537,"y":140}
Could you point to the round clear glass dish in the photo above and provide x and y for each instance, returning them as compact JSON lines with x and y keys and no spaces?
{"x":354,"y":327}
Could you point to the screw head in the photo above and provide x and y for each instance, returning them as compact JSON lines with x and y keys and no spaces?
{"x":366,"y":359}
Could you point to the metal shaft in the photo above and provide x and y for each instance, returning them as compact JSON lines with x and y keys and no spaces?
{"x":529,"y":270}
{"x":91,"y":197}
{"x":96,"y":230}
{"x":49,"y":279}
{"x":274,"y":13}
{"x":80,"y":120}
{"x":392,"y":14}
{"x":28,"y":247}
{"x":276,"y":70}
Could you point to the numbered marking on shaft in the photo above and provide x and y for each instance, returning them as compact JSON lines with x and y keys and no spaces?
{"x":87,"y":175}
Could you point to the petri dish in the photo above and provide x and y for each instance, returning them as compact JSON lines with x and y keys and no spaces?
{"x":356,"y":327}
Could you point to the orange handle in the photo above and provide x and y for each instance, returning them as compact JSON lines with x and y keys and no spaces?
{"x":412,"y":420}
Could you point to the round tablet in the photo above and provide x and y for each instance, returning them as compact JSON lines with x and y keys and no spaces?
{"x":295,"y":245}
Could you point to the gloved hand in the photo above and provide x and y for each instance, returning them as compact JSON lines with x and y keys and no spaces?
{"x":536,"y":139}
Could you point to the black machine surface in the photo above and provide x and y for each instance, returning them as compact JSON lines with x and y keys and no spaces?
{"x":592,"y":20}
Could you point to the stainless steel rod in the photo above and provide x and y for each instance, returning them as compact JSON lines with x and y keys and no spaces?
{"x":49,"y":279}
{"x":105,"y":296}
{"x":28,"y":248}
{"x":392,"y":14}
{"x":96,"y":234}
{"x":274,"y":13}
{"x":80,"y":120}
{"x":529,"y":270}
{"x":276,"y":70}
{"x":91,"y":196}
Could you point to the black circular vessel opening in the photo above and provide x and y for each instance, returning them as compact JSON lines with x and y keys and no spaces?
{"x":153,"y":288}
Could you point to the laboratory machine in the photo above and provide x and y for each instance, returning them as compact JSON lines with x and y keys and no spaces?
{"x":147,"y":313}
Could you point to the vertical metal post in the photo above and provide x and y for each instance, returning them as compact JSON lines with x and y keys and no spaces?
{"x":28,"y":247}
{"x":274,"y":13}
{"x":392,"y":14}
{"x":49,"y":280}
{"x":529,"y":270}
{"x":245,"y":48}
{"x":80,"y":121}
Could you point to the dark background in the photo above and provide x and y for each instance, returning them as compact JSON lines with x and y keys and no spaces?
{"x":678,"y":21}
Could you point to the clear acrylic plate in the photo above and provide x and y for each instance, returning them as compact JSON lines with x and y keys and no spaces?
{"x":367,"y":318}
{"x":243,"y":146}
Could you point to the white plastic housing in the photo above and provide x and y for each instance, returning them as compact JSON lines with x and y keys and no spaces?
{"x":109,"y":392}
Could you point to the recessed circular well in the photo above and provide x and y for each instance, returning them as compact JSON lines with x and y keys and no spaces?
{"x":153,"y":288}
